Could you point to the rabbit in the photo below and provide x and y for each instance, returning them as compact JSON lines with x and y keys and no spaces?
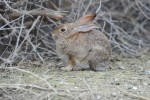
{"x":81,"y":46}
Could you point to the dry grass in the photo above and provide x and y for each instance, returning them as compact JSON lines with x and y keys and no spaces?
{"x":128,"y":80}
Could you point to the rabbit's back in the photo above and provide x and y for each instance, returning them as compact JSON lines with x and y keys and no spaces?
{"x":92,"y":44}
{"x":100,"y":44}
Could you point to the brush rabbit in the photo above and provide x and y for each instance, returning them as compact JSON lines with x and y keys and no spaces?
{"x":81,"y":46}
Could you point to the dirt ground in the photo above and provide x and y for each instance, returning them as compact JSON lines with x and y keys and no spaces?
{"x":129,"y":79}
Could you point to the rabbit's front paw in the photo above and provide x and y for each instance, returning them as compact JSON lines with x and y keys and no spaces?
{"x":68,"y":68}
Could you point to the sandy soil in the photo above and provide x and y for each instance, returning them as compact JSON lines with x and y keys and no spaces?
{"x":128,"y":80}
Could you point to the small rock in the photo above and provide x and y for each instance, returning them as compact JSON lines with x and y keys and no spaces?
{"x":147,"y":72}
{"x":76,"y":87}
{"x":145,"y":84}
{"x":67,"y":90}
{"x":148,"y":62}
{"x":134,"y":88}
{"x":121,"y":67}
{"x":116,"y":79}
{"x":129,"y":86}
{"x":114,"y":94}
{"x":98,"y":97}
{"x":117,"y":83}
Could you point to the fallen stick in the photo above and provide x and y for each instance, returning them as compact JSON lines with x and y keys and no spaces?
{"x":48,"y":13}
{"x":131,"y":94}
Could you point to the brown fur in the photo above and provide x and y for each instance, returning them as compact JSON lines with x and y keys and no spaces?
{"x":71,"y":60}
{"x":90,"y":48}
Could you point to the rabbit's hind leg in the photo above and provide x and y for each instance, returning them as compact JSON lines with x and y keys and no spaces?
{"x":98,"y":65}
{"x":82,"y":65}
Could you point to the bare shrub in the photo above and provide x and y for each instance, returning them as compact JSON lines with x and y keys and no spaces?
{"x":26,"y":26}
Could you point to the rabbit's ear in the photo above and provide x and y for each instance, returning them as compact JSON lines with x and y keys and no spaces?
{"x":86,"y":19}
{"x":85,"y":28}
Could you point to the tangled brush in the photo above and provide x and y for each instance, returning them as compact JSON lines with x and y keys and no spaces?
{"x":26,"y":26}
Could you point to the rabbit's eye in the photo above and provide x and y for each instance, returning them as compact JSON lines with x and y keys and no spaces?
{"x":63,"y":30}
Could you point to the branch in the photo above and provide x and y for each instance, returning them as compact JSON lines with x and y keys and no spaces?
{"x":47,"y":13}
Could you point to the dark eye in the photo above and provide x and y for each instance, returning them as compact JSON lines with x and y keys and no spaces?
{"x":63,"y":30}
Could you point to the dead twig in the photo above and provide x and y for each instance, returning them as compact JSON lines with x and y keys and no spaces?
{"x":47,"y":13}
{"x":131,"y":94}
{"x":27,"y":86}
